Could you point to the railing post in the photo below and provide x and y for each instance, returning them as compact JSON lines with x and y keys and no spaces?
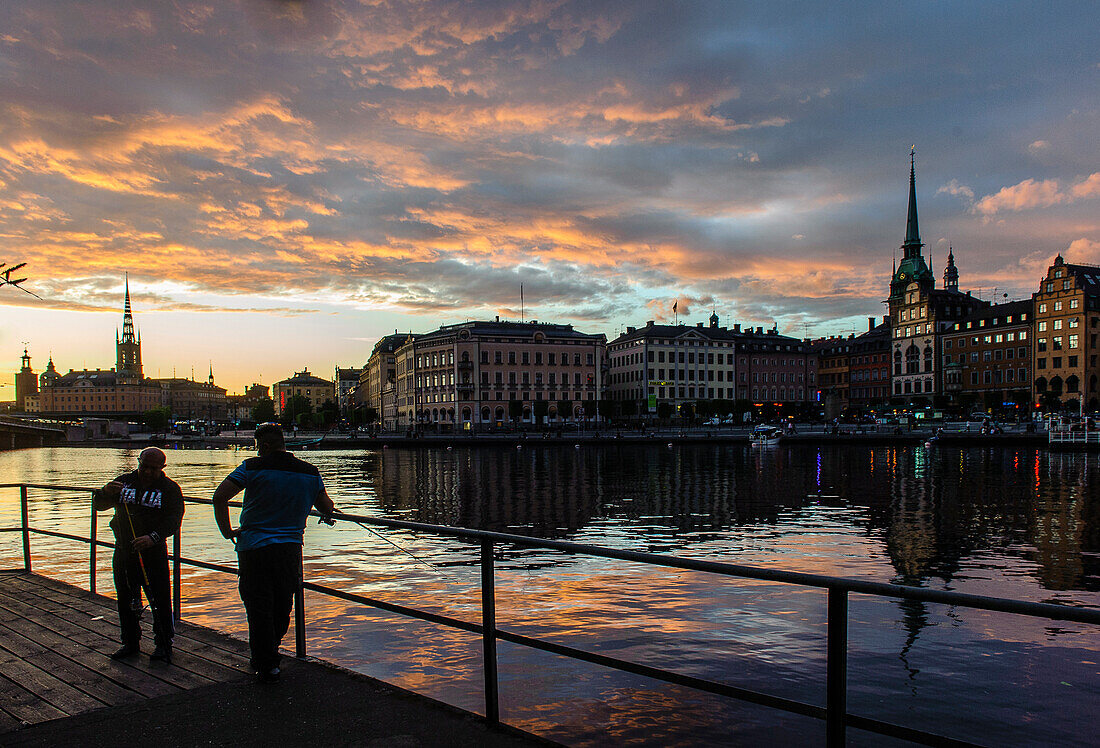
{"x":92,"y":548}
{"x":489,"y":633}
{"x":300,"y":613}
{"x":177,"y":607}
{"x":836,"y":669}
{"x":26,"y":528}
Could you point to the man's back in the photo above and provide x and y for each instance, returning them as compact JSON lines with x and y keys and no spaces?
{"x":279,"y":490}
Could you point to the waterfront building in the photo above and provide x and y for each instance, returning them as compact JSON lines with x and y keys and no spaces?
{"x":99,"y":392}
{"x":26,"y":383}
{"x":919,"y":313}
{"x":346,"y":382}
{"x":833,"y":372}
{"x":122,"y":391}
{"x":869,"y":368}
{"x":314,"y":389}
{"x":673,"y":364}
{"x":774,"y":368}
{"x":987,"y":358}
{"x":378,"y":380}
{"x":404,"y":389}
{"x":682,"y":365}
{"x":240,"y":406}
{"x":190,"y":400}
{"x":1067,"y":317}
{"x":491,"y":372}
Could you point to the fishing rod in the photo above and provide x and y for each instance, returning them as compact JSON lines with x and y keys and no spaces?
{"x":141,"y":562}
{"x":331,"y":521}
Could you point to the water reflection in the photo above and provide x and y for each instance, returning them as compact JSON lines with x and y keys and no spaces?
{"x":931,"y":509}
{"x":1005,"y":522}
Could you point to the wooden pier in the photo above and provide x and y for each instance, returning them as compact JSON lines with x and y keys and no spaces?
{"x":58,"y":685}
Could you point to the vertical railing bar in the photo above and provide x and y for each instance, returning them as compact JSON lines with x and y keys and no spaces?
{"x":92,"y":548}
{"x":177,"y":606}
{"x":26,"y":528}
{"x":300,"y":613}
{"x":489,"y":633}
{"x":836,"y":669}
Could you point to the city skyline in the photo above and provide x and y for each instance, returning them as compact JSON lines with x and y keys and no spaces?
{"x":286,"y":183}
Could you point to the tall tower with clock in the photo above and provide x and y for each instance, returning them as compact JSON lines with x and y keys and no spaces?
{"x":919,"y":312}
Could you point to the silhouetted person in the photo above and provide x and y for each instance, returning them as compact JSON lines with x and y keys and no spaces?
{"x":279,"y":491}
{"x":148,"y":510}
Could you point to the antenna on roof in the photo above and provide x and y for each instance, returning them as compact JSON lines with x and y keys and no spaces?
{"x":521,"y":302}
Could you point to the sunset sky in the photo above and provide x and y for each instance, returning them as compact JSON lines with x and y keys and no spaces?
{"x":287,"y":181}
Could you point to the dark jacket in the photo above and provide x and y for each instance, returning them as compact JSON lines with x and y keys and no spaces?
{"x":156,"y":510}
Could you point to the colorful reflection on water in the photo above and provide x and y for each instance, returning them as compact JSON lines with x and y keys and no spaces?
{"x":1003,"y":522}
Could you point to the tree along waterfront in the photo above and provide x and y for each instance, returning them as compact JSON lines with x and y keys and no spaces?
{"x":1006,"y":522}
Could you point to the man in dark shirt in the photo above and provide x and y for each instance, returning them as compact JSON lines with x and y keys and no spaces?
{"x":279,"y":491}
{"x":148,"y":509}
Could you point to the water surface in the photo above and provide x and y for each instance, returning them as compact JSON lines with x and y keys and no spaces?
{"x":1006,"y":522}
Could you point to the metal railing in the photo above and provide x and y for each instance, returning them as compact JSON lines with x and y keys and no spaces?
{"x":1073,"y":436}
{"x":834,"y":712}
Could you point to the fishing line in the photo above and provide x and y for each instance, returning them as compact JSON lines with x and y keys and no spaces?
{"x":410,"y":554}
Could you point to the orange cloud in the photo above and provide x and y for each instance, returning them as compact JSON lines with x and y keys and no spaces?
{"x":1030,"y":194}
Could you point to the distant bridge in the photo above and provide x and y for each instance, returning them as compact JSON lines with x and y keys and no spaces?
{"x":16,"y":433}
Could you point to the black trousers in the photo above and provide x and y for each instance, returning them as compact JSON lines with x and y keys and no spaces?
{"x":128,"y":588}
{"x":270,"y":575}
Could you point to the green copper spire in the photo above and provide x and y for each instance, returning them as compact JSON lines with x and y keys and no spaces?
{"x":912,"y":242}
{"x":912,"y":268}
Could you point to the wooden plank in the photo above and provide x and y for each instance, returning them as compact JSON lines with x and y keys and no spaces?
{"x":105,"y":642}
{"x":38,"y":647}
{"x":187,"y":655}
{"x":8,"y":722}
{"x":236,"y":652}
{"x":23,"y":706}
{"x":44,"y":685}
{"x":73,"y":642}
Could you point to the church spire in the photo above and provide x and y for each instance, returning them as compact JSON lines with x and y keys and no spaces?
{"x":128,"y":349}
{"x":127,"y":317}
{"x":912,"y":244}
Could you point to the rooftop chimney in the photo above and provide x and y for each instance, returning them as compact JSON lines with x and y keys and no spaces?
{"x":630,"y":330}
{"x":870,"y":324}
{"x":737,"y":327}
{"x":649,"y":323}
{"x":698,"y":324}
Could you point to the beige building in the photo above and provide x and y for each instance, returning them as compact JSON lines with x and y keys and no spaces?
{"x":1066,"y":321}
{"x":490,"y":373}
{"x":314,"y":389}
{"x":191,"y":400}
{"x":378,"y":381}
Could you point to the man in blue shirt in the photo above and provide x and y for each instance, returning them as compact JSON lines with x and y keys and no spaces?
{"x":279,"y":491}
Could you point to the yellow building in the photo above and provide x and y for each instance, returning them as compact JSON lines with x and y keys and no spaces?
{"x":314,"y":389}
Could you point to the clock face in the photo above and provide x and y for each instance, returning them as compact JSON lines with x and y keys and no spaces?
{"x":901,"y":276}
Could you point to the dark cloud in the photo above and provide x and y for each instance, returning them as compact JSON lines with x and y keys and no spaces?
{"x":430,"y":156}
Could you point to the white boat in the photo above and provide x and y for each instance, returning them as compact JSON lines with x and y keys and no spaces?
{"x":765,"y":436}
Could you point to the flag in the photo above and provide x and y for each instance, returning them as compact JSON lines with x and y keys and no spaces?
{"x":674,"y":305}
